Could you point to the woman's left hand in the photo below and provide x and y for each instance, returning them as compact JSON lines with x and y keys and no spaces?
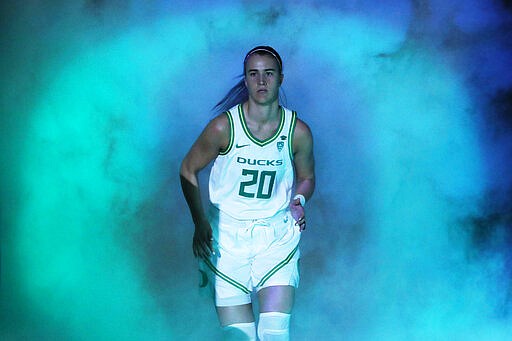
{"x":298,"y":214}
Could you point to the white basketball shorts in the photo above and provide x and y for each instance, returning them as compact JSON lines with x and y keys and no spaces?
{"x":251,"y":254}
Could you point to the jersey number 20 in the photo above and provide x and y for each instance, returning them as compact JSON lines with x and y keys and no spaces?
{"x":262,"y":181}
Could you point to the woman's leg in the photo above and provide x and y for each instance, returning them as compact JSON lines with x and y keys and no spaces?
{"x":276,"y":298}
{"x":237,"y":322}
{"x":276,"y":303}
{"x":235,"y":314}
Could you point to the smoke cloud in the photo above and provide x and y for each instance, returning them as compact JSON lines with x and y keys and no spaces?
{"x":410,"y":228}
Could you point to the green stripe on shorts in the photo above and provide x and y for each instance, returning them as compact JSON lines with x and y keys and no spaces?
{"x":278,"y":266}
{"x":225,"y":277}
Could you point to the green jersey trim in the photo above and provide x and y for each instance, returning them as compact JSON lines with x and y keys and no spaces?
{"x":226,"y":277}
{"x":257,"y":141}
{"x":231,"y":135}
{"x":291,"y":132}
{"x":278,"y":267}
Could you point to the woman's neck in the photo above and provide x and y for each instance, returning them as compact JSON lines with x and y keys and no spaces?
{"x":261,"y":114}
{"x":262,"y":121}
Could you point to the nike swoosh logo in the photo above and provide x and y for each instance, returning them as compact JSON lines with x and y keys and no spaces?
{"x":241,"y":146}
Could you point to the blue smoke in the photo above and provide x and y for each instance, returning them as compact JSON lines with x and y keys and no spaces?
{"x":409,"y":103}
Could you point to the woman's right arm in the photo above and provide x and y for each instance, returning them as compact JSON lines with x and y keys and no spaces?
{"x":214,"y":138}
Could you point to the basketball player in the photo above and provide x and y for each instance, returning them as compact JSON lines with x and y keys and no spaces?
{"x":262,"y":176}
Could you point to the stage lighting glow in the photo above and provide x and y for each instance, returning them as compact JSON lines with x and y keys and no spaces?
{"x":102,"y":238}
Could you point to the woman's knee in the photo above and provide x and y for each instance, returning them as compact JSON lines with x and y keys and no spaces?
{"x":274,"y":326}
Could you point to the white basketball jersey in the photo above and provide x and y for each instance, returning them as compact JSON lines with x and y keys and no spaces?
{"x":253,"y":178}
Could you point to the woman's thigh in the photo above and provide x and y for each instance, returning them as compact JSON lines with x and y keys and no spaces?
{"x":235,"y":314}
{"x":278,"y":298}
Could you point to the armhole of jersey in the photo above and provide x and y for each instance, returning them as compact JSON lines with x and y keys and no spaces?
{"x":291,"y":132}
{"x":231,"y":133}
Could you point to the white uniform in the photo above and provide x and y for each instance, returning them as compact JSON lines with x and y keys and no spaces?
{"x":255,"y":237}
{"x":252,"y":178}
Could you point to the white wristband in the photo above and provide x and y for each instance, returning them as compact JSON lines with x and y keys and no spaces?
{"x":301,"y":199}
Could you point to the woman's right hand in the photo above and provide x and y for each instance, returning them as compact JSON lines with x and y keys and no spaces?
{"x":203,"y":239}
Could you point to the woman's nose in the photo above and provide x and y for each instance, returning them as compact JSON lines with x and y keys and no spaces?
{"x":262,"y":80}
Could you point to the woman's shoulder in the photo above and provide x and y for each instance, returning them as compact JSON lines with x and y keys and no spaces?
{"x":220,"y":123}
{"x":301,"y":129}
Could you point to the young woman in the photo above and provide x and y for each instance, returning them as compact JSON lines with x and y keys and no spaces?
{"x":263,"y":173}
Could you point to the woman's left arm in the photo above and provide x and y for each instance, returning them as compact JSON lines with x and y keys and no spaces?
{"x":304,"y":163}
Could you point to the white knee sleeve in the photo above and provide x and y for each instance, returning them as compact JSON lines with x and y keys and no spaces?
{"x":240,"y":331}
{"x":274,"y":326}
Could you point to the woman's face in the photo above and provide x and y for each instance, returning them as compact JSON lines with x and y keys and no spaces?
{"x":263,"y":78}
